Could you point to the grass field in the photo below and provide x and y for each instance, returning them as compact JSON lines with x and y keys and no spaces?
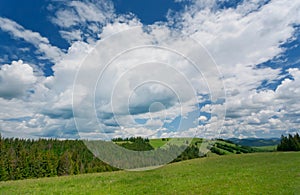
{"x":156,"y":143}
{"x":258,"y":173}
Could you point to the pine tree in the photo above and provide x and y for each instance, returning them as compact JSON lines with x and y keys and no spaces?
{"x":65,"y":164}
{"x":289,"y":143}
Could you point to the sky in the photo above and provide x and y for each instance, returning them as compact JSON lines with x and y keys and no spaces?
{"x":153,"y":68}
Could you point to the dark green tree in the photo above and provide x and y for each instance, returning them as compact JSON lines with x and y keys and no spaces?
{"x":65,"y":164}
{"x":289,"y":143}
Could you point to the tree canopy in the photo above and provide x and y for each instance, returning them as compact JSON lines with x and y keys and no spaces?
{"x":289,"y":143}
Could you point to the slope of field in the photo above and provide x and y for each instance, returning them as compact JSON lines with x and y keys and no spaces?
{"x":258,"y":173}
{"x":156,"y":143}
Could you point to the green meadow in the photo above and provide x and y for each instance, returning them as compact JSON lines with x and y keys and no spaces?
{"x":156,"y":143}
{"x":255,"y":173}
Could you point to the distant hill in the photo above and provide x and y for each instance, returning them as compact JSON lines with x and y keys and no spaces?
{"x":256,"y":141}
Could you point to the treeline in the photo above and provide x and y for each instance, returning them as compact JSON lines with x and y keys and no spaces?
{"x":134,"y":143}
{"x":143,"y":144}
{"x":289,"y":143}
{"x":26,"y":158}
{"x":131,"y":139}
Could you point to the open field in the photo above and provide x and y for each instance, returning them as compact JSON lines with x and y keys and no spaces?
{"x":257,"y":173}
{"x":156,"y":143}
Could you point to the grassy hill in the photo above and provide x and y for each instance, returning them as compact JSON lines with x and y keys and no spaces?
{"x":256,"y":141}
{"x":257,"y":173}
{"x":156,"y":143}
{"x":219,"y":147}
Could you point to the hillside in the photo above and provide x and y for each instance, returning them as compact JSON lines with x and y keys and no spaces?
{"x":218,"y":147}
{"x":259,"y":173}
{"x":256,"y":141}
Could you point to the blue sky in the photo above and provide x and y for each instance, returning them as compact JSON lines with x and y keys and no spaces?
{"x":254,"y":79}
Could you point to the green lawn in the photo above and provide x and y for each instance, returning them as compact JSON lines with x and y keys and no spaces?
{"x":258,"y":173}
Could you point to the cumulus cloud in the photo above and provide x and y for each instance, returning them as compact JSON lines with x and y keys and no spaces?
{"x":239,"y":39}
{"x":266,"y":111}
{"x":245,"y":35}
{"x":41,"y":106}
{"x":16,"y":80}
{"x":123,"y":100}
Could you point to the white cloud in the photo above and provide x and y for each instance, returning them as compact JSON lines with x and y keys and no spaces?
{"x":238,"y":39}
{"x":244,"y":35}
{"x":82,"y":19}
{"x":202,"y":118}
{"x":41,"y":43}
{"x":16,"y":80}
{"x":72,"y":36}
{"x":83,"y":12}
{"x":267,"y":110}
{"x":45,"y":103}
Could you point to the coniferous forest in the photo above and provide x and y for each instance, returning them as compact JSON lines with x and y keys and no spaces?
{"x":289,"y":143}
{"x":26,"y":158}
